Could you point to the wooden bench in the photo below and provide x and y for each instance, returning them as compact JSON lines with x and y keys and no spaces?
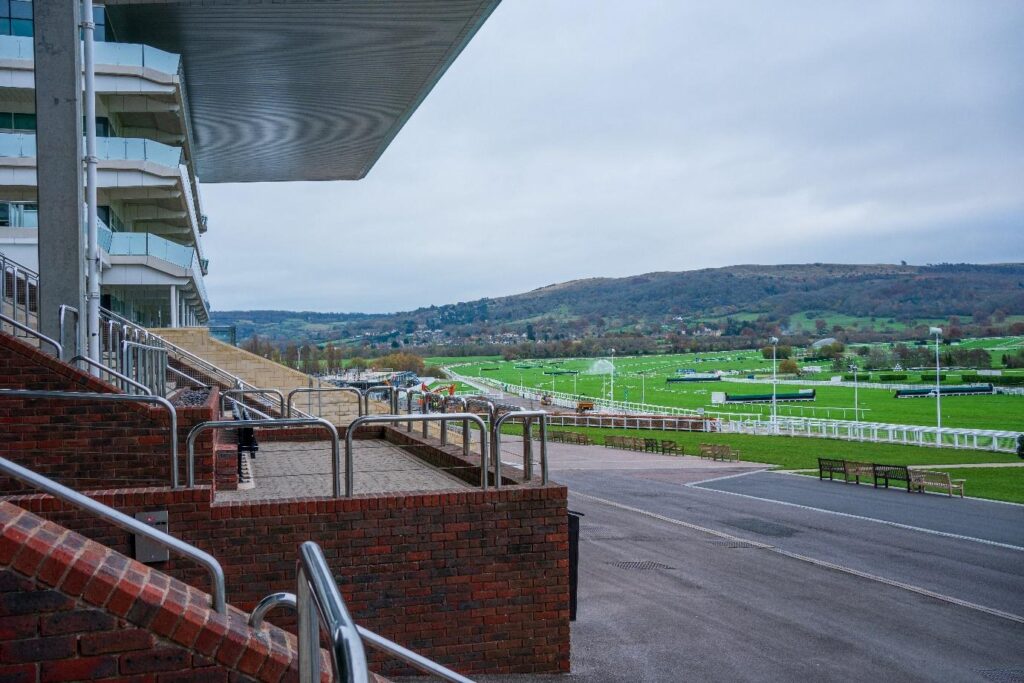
{"x":889,"y":473}
{"x":830,"y":466}
{"x":651,"y":446}
{"x":919,"y":479}
{"x":858,"y":469}
{"x":669,"y":447}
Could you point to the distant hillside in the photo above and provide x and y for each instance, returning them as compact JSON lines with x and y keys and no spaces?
{"x":793,"y":296}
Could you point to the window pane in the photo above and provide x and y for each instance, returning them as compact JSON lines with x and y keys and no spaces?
{"x":30,"y":218}
{"x":6,"y":119}
{"x":5,"y":8}
{"x":5,"y":27}
{"x":5,"y":214}
{"x":24,"y":121}
{"x":21,"y":27}
{"x":21,"y":10}
{"x":100,"y":33}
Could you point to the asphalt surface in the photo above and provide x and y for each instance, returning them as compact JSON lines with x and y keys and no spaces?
{"x":670,"y":590}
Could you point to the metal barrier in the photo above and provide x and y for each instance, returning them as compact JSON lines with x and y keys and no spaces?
{"x":57,"y":346}
{"x":275,"y":424}
{"x":321,"y":390}
{"x":91,"y":396}
{"x":125,"y":522}
{"x":527,"y":417}
{"x":256,"y":392}
{"x":436,"y":417}
{"x":466,"y":434}
{"x":240,"y":409}
{"x":390,"y":390}
{"x":322,"y":594}
{"x":62,"y":311}
{"x":148,"y":365}
{"x":23,"y":290}
{"x":124,"y":380}
{"x":178,"y":373}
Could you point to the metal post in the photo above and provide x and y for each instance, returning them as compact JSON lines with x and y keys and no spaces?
{"x":91,"y":161}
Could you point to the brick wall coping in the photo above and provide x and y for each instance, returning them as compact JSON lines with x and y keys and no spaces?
{"x":100,"y":577}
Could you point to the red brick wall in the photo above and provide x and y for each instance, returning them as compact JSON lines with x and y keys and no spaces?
{"x":89,"y":445}
{"x":73,"y":610}
{"x":477,"y":580}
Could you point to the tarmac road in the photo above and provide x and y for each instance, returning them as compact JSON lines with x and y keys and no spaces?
{"x":835,"y":583}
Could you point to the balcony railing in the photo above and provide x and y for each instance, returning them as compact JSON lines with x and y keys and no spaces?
{"x":113,"y":54}
{"x":23,"y":145}
{"x":146,"y":244}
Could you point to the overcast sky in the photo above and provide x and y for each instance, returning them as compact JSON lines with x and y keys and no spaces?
{"x":580,"y":138}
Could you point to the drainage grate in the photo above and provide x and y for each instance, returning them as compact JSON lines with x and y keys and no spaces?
{"x":726,"y":543}
{"x":643,"y":565}
{"x":1002,"y":675}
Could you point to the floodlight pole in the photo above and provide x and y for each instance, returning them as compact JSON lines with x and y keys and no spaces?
{"x":775,"y":343}
{"x":612,"y":392}
{"x":856,"y":414}
{"x":937,"y":331}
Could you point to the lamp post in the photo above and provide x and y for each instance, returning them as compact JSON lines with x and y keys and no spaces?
{"x":856,"y":414}
{"x":775,"y":343}
{"x":612,"y":391}
{"x":937,"y":331}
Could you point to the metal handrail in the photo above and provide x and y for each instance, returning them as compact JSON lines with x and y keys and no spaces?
{"x":174,"y":371}
{"x":35,"y":333}
{"x":254,"y":391}
{"x":61,"y":311}
{"x":274,"y":424}
{"x":428,"y":417}
{"x":465,"y":425}
{"x":28,"y":277}
{"x":93,"y":396}
{"x":241,"y":409}
{"x":152,"y":363}
{"x":392,"y":392}
{"x":114,"y":373}
{"x":125,"y":522}
{"x":527,"y":416}
{"x":320,"y":390}
{"x":411,"y":658}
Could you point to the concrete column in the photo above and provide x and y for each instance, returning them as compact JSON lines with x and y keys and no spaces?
{"x":58,"y":79}
{"x":174,"y":305}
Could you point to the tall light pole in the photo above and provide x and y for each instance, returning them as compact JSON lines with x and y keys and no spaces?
{"x":775,"y":343}
{"x":856,"y":415}
{"x":612,"y":392}
{"x":937,"y":331}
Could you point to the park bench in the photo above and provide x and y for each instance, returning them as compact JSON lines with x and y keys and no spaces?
{"x":651,"y":446}
{"x":890,"y":473}
{"x":919,"y":479}
{"x":830,"y":466}
{"x":669,"y":447}
{"x":859,"y":469}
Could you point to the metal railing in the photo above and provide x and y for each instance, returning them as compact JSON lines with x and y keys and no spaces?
{"x":241,"y":410}
{"x":276,"y":424}
{"x":324,"y":390}
{"x":527,"y":416}
{"x":123,"y":379}
{"x":423,"y":417}
{"x":319,"y":602}
{"x":92,"y":396}
{"x":255,"y":391}
{"x":391,"y":391}
{"x":119,"y":519}
{"x":34,"y":333}
{"x":188,"y":378}
{"x":20,"y":286}
{"x":148,"y":364}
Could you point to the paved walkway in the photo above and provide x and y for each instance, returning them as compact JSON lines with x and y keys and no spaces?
{"x":303,"y":469}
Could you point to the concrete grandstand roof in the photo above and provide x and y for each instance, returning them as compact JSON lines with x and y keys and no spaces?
{"x":301,"y":89}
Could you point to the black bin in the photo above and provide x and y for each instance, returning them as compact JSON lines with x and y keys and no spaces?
{"x":574,"y":560}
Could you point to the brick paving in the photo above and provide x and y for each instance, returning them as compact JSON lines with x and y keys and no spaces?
{"x":287,"y":469}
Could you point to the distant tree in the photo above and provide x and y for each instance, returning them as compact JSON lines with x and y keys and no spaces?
{"x":784,"y":351}
{"x":530,"y":333}
{"x":820,"y":326}
{"x":789,"y":367}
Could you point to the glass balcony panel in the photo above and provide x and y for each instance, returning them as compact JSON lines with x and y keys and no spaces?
{"x":116,"y":54}
{"x":17,"y":145}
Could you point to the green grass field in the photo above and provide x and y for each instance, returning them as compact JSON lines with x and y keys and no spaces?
{"x":642,"y":379}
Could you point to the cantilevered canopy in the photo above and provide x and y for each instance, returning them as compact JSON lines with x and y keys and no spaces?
{"x":300,"y":89}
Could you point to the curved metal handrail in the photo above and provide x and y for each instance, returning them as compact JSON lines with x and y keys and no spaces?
{"x":125,"y":522}
{"x":271,"y":424}
{"x":174,"y":371}
{"x":319,"y":390}
{"x":240,"y":408}
{"x":256,"y":392}
{"x":61,"y":311}
{"x":411,"y":658}
{"x":527,"y":416}
{"x":35,"y":333}
{"x":93,"y":396}
{"x":114,"y":373}
{"x":430,"y":417}
{"x":392,"y":392}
